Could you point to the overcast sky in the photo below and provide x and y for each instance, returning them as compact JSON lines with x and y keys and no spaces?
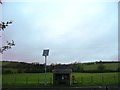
{"x":73,"y":30}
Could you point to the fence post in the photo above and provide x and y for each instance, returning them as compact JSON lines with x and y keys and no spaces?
{"x":50,"y":80}
{"x":102,"y":79}
{"x":38,"y":81}
{"x":81,"y":80}
{"x":91,"y":79}
{"x":15,"y":81}
{"x":106,"y":88}
{"x":114,"y":77}
{"x":26,"y":80}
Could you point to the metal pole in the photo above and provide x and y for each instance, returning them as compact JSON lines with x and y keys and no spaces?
{"x":45,"y":72}
{"x":39,"y":76}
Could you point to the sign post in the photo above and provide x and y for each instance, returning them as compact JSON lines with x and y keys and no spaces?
{"x":45,"y":53}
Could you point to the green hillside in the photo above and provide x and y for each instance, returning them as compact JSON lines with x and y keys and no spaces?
{"x":22,"y":67}
{"x":21,"y":74}
{"x":109,"y":66}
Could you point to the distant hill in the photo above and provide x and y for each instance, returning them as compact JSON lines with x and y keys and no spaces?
{"x":23,"y":67}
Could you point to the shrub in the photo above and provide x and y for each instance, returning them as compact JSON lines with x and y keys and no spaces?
{"x":101,"y":68}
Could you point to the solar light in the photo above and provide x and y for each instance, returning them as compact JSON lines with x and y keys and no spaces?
{"x":45,"y":53}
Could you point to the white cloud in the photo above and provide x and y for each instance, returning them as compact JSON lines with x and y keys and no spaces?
{"x":62,"y":20}
{"x":72,"y":30}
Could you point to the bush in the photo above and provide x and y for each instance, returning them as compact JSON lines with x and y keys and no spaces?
{"x":101,"y":68}
{"x":6,"y":71}
{"x":118,"y":69}
{"x":20,"y":71}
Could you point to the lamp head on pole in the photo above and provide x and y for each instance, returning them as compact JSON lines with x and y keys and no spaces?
{"x":45,"y":52}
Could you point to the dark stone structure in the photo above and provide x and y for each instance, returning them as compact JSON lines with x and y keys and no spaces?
{"x":62,"y":77}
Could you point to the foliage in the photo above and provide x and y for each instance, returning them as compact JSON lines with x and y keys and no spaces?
{"x":118,"y":69}
{"x":101,"y":68}
{"x":22,"y":67}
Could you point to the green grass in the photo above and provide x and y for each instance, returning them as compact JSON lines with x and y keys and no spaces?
{"x":24,"y":79}
{"x":81,"y":79}
{"x":109,"y":66}
{"x":0,"y":80}
{"x":94,"y":79}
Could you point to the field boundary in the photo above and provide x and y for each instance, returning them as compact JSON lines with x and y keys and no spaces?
{"x":66,"y":88}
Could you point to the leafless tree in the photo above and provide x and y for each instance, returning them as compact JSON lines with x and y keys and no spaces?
{"x":3,"y":26}
{"x":0,"y":2}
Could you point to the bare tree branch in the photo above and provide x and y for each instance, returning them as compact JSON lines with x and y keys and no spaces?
{"x":3,"y":25}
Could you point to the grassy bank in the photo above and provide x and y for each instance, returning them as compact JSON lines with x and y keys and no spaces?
{"x":81,"y":79}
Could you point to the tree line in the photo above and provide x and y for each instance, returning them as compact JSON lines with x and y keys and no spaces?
{"x":22,"y":67}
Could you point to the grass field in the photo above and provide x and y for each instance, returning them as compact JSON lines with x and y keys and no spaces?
{"x":95,"y":79}
{"x":81,"y":79}
{"x":109,"y":66}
